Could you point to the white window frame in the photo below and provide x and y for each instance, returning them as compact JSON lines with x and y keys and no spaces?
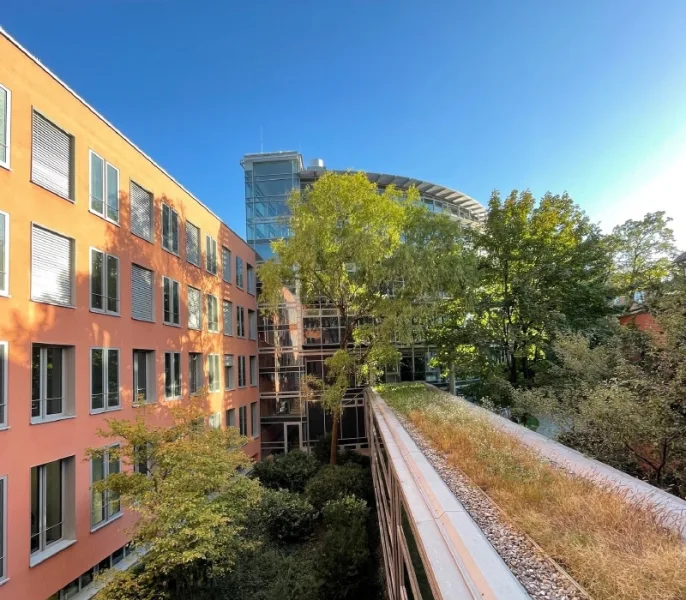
{"x":178,"y":228}
{"x":8,"y":124}
{"x":252,"y":370}
{"x":211,"y":257}
{"x":212,"y":326}
{"x":150,"y":379}
{"x":3,"y":522}
{"x":42,"y":368}
{"x":6,"y":267}
{"x":4,"y":389}
{"x":226,"y":264}
{"x":216,"y":385}
{"x":199,"y":374}
{"x":175,"y":357}
{"x":104,"y":214}
{"x":105,"y":276}
{"x":230,"y":382}
{"x":171,"y":300}
{"x":106,"y":494}
{"x":105,"y":380}
{"x":254,"y":420}
{"x":241,"y":370}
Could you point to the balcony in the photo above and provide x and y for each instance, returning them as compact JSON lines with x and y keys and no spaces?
{"x":471,"y":505}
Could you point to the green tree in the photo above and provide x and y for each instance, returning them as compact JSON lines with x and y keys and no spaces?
{"x":189,"y":499}
{"x":373,"y":256}
{"x":644,"y":253}
{"x":542,"y":267}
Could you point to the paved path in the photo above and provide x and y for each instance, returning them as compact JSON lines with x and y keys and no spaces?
{"x":571,"y":460}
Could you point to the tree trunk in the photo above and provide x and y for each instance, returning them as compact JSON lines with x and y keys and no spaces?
{"x":451,"y":383}
{"x":334,"y":440}
{"x":513,"y":369}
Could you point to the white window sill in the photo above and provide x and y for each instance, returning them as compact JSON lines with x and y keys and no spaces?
{"x":4,"y":581}
{"x":94,"y":587}
{"x":171,"y":324}
{"x":5,"y":166}
{"x":5,"y":427}
{"x":173,"y":398}
{"x":5,"y":294}
{"x":100,"y":411}
{"x":51,"y":550}
{"x":103,"y":217}
{"x":52,"y":419}
{"x":171,"y":252}
{"x":143,"y":404}
{"x":113,"y":518}
{"x":143,"y":320}
{"x":104,"y":312}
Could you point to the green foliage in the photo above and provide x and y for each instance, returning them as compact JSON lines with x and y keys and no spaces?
{"x":644,"y":253}
{"x":286,"y":517}
{"x":191,"y":508}
{"x":290,"y":472}
{"x":334,"y":482}
{"x":345,"y":548}
{"x":374,"y":256}
{"x":321,"y":449}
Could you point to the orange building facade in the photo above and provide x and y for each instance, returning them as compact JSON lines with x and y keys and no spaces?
{"x":119,"y":292}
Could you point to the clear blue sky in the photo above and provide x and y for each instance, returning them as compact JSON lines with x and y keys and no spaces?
{"x":586,"y":96}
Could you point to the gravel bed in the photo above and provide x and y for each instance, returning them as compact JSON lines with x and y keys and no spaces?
{"x":534,"y":570}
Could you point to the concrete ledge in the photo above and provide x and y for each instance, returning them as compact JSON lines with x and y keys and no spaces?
{"x":638,"y":491}
{"x":458,"y":558}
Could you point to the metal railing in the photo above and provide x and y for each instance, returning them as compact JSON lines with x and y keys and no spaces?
{"x":432,"y":549}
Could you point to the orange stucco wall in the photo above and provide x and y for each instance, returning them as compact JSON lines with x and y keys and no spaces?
{"x":23,"y":322}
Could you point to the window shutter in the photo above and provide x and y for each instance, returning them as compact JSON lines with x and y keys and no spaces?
{"x":141,"y":212}
{"x":226,"y":313}
{"x":51,"y":157}
{"x":52,"y":267}
{"x":141,"y":293}
{"x":194,"y":308}
{"x":192,"y":244}
{"x":226,"y":264}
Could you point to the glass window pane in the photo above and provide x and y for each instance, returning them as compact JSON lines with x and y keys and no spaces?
{"x":53,"y":501}
{"x":175,"y":300}
{"x":35,"y":381}
{"x":112,"y":284}
{"x":97,"y":183}
{"x":168,"y":387}
{"x":96,"y":280}
{"x":112,"y":193}
{"x":35,"y":509}
{"x":112,"y":378}
{"x":97,"y":380}
{"x":53,"y":381}
{"x":177,"y":374}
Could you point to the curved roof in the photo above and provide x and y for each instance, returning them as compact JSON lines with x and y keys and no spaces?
{"x":426,"y":188}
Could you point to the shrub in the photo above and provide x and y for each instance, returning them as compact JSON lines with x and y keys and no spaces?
{"x":334,"y":482}
{"x":290,"y":472}
{"x":344,"y":560}
{"x":286,"y":517}
{"x":351,"y":457}
{"x":321,"y":449}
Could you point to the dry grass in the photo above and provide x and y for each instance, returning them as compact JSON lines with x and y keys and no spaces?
{"x":616,"y":550}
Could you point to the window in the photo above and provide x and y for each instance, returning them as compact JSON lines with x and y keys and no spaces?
{"x":240,"y":321}
{"x":170,"y":307}
{"x":141,"y":293}
{"x":215,"y":420}
{"x":231,"y":417}
{"x":192,"y":244}
{"x":3,"y":527}
{"x":141,"y":459}
{"x":251,"y":279}
{"x":227,"y":310}
{"x":254,"y":420}
{"x":52,"y":158}
{"x":52,"y":267}
{"x":4,"y":251}
{"x":52,"y":497}
{"x":104,"y":188}
{"x":172,"y":375}
{"x":226,"y":264}
{"x":239,"y":272}
{"x":143,"y":376}
{"x":241,"y":371}
{"x":212,"y":313}
{"x":106,"y":505}
{"x":170,"y":229}
{"x":211,"y":255}
{"x":51,"y":382}
{"x":213,"y":371}
{"x":5,"y":118}
{"x":4,"y":362}
{"x":194,"y":308}
{"x":253,"y":370}
{"x":252,"y":324}
{"x":243,"y":420}
{"x":229,"y":382}
{"x":195,"y":372}
{"x":141,"y":212}
{"x":104,"y":379}
{"x":104,"y":282}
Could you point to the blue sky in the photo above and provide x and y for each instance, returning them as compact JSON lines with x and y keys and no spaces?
{"x":586,"y":96}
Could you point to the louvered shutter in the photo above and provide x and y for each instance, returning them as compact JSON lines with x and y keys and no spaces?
{"x":194,"y":308}
{"x":52,"y":267}
{"x":192,"y":244}
{"x":226,"y":264}
{"x":141,"y":212}
{"x":227,"y":310}
{"x":141,"y":293}
{"x":51,"y":157}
